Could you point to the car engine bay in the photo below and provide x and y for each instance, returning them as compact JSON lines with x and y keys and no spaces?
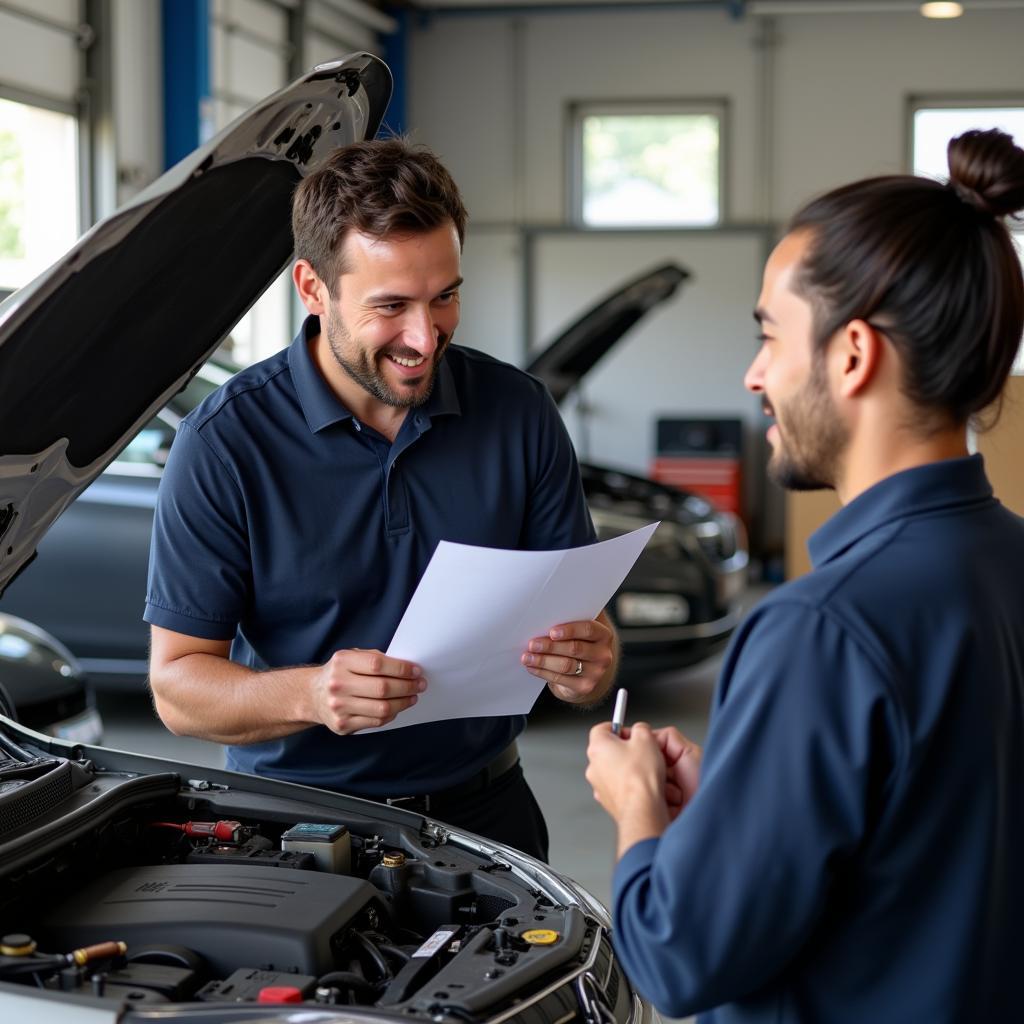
{"x":153,"y":889}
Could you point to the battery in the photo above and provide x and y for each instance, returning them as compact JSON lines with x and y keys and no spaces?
{"x":330,"y":845}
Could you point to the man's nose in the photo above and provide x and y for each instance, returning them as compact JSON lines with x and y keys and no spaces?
{"x":421,"y":332}
{"x":753,"y":379}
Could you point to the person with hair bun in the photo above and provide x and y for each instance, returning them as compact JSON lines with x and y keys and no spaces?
{"x":850,"y":845}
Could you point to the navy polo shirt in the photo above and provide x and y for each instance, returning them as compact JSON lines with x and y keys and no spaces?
{"x":855,"y":851}
{"x":289,"y":527}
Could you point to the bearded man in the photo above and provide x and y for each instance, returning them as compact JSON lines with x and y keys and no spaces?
{"x":849,"y":846}
{"x":302,"y":502}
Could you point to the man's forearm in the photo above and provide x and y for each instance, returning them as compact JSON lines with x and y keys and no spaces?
{"x":209,"y":697}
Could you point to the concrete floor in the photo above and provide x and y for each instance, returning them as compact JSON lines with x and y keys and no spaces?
{"x":553,"y":753}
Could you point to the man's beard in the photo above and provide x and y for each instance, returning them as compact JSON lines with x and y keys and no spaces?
{"x":365,"y":373}
{"x":811,"y":437}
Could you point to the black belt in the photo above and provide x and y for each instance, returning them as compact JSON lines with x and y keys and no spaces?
{"x":422,"y":803}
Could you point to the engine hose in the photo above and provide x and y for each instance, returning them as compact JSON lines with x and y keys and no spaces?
{"x":44,"y":965}
{"x":345,"y":979}
{"x":393,"y":951}
{"x":386,"y":945}
{"x":375,"y":955}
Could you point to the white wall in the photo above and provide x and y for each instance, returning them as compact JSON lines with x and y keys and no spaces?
{"x":827,"y":103}
{"x":843,"y":84}
{"x":490,"y":92}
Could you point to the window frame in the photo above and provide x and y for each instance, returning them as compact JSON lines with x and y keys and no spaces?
{"x":578,"y":110}
{"x":83,"y":146}
{"x":91,"y":104}
{"x":950,"y":101}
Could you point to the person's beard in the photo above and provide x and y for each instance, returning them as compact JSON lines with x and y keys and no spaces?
{"x":811,"y":437}
{"x":363,"y":369}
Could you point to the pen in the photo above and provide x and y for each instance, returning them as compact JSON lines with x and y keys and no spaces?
{"x":619,"y":714}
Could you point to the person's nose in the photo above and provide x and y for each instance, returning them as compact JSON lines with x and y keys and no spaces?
{"x":421,"y":332}
{"x":753,"y":379}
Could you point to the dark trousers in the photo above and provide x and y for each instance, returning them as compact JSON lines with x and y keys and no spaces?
{"x":505,"y":810}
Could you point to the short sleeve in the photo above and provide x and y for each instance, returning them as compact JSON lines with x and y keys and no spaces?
{"x":803,"y":732}
{"x":199,"y":566}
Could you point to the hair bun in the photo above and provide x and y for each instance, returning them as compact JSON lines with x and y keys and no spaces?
{"x":987,"y":171}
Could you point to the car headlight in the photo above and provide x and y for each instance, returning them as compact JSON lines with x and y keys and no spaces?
{"x":666,"y":541}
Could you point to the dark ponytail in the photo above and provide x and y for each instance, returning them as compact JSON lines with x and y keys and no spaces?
{"x":930,"y":265}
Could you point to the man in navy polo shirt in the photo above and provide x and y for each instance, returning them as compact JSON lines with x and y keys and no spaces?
{"x":303,"y":500}
{"x":850,"y":846}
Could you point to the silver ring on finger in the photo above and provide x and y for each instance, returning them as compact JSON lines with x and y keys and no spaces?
{"x":579,"y":668}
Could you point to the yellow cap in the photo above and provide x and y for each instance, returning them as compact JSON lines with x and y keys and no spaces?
{"x":540,"y":937}
{"x":17,"y":945}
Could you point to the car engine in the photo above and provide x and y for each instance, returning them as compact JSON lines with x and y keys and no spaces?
{"x":150,"y":889}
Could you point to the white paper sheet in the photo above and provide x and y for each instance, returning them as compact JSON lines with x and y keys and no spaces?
{"x":476,"y":609}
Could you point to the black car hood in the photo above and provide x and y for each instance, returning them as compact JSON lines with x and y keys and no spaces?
{"x":92,"y":348}
{"x":575,"y":351}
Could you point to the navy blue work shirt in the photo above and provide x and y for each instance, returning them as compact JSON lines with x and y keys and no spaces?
{"x":289,"y":527}
{"x":855,"y":850}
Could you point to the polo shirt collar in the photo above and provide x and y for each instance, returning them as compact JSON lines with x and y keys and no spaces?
{"x":322,"y":407}
{"x":937,"y":485}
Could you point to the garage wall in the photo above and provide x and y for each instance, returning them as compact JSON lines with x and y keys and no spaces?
{"x":813,"y":101}
{"x":825,"y":103}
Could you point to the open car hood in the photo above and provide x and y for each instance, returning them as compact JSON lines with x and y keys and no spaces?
{"x":572,"y":354}
{"x":92,"y":348}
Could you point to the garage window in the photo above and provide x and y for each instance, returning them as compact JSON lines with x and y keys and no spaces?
{"x":651,"y":164}
{"x":38,"y":190}
{"x":934,"y":123}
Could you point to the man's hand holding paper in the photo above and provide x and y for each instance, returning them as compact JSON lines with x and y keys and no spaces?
{"x":476,"y":612}
{"x":359,"y":689}
{"x":576,"y":659}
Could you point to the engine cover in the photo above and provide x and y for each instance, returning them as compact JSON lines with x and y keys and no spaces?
{"x":271,"y":918}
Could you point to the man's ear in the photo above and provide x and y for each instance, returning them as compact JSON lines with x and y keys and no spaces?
{"x":856,"y":357}
{"x":312,"y":291}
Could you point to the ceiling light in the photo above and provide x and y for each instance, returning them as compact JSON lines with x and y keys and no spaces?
{"x":942,"y":10}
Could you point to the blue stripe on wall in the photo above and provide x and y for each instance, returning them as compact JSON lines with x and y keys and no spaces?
{"x":186,"y":53}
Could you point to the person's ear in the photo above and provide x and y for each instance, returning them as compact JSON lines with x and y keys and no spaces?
{"x":856,"y":356}
{"x":312,"y":291}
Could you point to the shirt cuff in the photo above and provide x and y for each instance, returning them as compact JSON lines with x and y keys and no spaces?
{"x":636,"y":859}
{"x":205,"y":629}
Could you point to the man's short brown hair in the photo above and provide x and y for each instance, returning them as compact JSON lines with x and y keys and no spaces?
{"x":382,"y":188}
